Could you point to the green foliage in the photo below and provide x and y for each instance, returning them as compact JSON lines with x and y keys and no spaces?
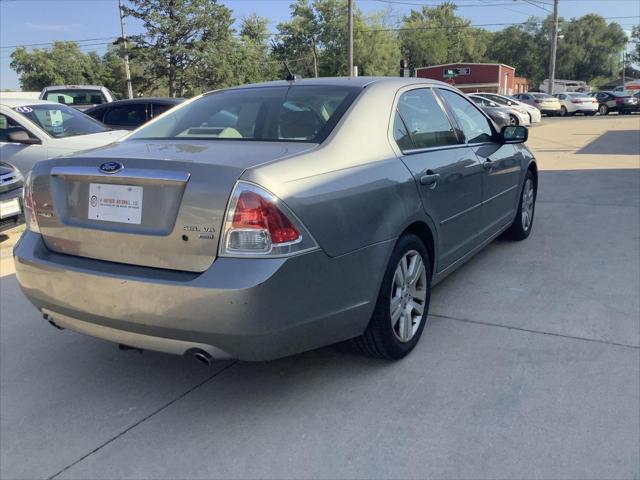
{"x":634,"y":56}
{"x":63,"y":63}
{"x":190,"y":46}
{"x":436,"y":35}
{"x":183,"y":40}
{"x":588,"y":48}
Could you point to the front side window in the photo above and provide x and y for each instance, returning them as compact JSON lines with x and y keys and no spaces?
{"x":60,"y":121}
{"x":425,"y":120}
{"x":474,"y":125}
{"x":291,"y":113}
{"x":75,"y":97}
{"x":7,"y":126}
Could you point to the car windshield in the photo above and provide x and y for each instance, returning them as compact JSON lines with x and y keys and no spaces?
{"x":60,"y":121}
{"x":292,"y":113}
{"x":580,"y":95}
{"x":544,"y":96}
{"x":75,"y":97}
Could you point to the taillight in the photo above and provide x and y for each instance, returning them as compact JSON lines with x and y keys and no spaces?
{"x":258,"y":224}
{"x":538,"y":101}
{"x":30,"y":219}
{"x":619,"y":101}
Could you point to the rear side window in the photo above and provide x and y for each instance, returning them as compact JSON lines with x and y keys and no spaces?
{"x":426,"y":122}
{"x":474,"y":125}
{"x":126,"y":116}
{"x":401,"y":135}
{"x":159,"y":108}
{"x":298,"y":113}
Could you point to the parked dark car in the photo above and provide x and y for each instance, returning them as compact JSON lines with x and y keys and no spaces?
{"x":11,"y":182}
{"x":616,"y":102}
{"x":130,"y":114}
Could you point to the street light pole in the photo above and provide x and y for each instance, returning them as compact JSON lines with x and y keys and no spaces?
{"x":127,"y":71}
{"x":554,"y":46}
{"x":350,"y":34}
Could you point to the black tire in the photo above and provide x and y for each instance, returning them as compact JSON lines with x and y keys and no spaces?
{"x":517,"y":230}
{"x":379,"y":339}
{"x":603,"y":109}
{"x":513,"y":120}
{"x":563,"y":111}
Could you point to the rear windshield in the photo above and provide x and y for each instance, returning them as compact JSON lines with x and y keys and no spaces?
{"x":75,"y":97}
{"x":298,"y":113}
{"x":60,"y":121}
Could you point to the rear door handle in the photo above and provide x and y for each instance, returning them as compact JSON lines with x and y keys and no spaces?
{"x":429,"y":179}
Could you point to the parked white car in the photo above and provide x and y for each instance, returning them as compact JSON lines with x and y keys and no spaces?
{"x":534,"y":114}
{"x":573,"y":102}
{"x":34,"y":130}
{"x":547,"y":104}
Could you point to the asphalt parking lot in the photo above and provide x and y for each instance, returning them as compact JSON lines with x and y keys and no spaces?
{"x":529,"y":366}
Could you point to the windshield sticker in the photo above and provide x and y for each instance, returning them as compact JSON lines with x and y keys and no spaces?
{"x":3,"y":122}
{"x":23,"y":109}
{"x":54,"y":118}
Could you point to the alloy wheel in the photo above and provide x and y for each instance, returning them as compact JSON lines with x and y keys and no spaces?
{"x":528,"y":200}
{"x":408,"y":296}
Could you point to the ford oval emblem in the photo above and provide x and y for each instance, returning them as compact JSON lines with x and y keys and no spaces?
{"x":111,"y":167}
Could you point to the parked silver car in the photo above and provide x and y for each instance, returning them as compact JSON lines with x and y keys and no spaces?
{"x":509,"y":116}
{"x":265,"y":220}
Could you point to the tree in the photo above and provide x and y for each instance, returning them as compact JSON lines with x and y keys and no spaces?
{"x":376,"y":45}
{"x":180,"y":36}
{"x":523,"y":48}
{"x":63,"y":63}
{"x":436,"y":35}
{"x":589,"y":48}
{"x":634,"y":56}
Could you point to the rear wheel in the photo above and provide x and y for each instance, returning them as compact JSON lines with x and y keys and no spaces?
{"x":403,"y":302}
{"x":603,"y":109}
{"x":522,"y":224}
{"x":563,"y":111}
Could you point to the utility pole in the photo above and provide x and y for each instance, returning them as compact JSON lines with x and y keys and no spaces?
{"x":554,"y":46}
{"x":127,"y":71}
{"x":624,"y":76}
{"x":350,"y":34}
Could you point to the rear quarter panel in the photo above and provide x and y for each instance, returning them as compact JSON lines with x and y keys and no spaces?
{"x":352,"y":191}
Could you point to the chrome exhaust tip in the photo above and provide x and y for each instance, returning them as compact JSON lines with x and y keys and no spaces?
{"x":203,"y":357}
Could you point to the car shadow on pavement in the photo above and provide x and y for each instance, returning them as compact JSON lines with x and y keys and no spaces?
{"x":618,"y":142}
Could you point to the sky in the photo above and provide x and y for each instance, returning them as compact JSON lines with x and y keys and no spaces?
{"x":96,"y":22}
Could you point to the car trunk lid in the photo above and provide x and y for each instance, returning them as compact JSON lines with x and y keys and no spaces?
{"x":161,"y":206}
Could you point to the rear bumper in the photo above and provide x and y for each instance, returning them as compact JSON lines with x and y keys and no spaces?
{"x":14,"y":220}
{"x":251,"y":309}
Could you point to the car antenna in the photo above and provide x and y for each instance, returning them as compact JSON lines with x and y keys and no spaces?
{"x":290,"y":77}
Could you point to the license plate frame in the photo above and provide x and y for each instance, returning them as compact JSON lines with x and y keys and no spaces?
{"x":115,"y":203}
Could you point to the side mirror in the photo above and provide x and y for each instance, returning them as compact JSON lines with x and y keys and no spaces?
{"x":514,"y":134}
{"x":21,"y":136}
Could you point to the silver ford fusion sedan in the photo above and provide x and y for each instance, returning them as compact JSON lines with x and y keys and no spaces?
{"x":269,"y":219}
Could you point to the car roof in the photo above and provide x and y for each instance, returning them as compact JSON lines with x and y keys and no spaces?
{"x":133,"y":101}
{"x":73,"y":87}
{"x":22,"y":102}
{"x":361,"y":82}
